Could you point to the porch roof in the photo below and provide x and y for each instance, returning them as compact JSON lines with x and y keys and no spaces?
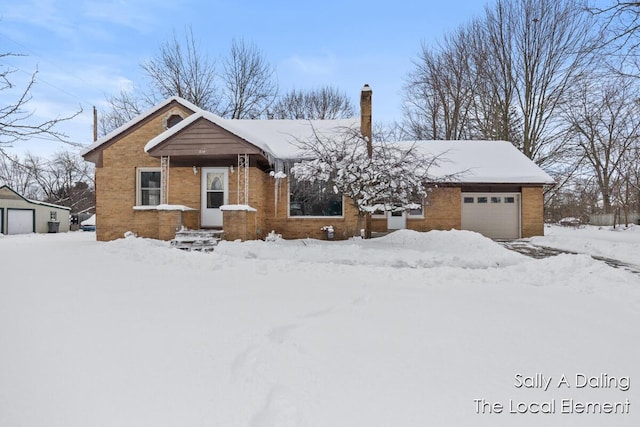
{"x":275,"y":138}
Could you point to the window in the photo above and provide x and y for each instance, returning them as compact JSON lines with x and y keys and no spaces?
{"x":53,"y":216}
{"x":468,"y":199}
{"x":173,"y":120}
{"x":509,"y":199}
{"x":416,"y":209}
{"x":482,"y":200}
{"x":315,"y":198}
{"x":215,"y":190}
{"x":148,"y":187}
{"x":496,"y":200}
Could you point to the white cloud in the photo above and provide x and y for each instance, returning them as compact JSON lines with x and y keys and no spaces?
{"x":315,"y":66}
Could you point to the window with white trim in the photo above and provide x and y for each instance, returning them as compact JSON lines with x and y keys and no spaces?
{"x":416,"y":209}
{"x":148,"y":186}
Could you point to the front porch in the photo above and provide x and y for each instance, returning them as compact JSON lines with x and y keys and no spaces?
{"x":166,"y":222}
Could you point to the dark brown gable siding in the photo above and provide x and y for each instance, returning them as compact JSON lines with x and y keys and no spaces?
{"x":203,"y":138}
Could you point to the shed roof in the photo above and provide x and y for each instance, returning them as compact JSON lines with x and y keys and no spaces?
{"x":35,"y":202}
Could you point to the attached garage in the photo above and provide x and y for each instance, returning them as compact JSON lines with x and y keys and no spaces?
{"x":21,"y":221}
{"x":19,"y":215}
{"x":495,"y":215}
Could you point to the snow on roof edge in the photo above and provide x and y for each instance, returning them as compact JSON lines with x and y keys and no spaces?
{"x":100,"y":141}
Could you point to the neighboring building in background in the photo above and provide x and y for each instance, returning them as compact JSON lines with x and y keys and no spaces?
{"x":19,"y":215}
{"x":178,"y":166}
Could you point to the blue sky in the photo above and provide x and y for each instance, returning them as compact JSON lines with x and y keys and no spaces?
{"x":85,"y":50}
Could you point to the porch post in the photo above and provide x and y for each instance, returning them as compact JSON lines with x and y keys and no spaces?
{"x":243,"y":179}
{"x":164,"y":180}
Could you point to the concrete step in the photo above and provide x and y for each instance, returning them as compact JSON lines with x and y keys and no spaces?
{"x":197,"y":240}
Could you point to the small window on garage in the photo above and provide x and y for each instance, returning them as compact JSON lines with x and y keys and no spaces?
{"x":510,"y":199}
{"x":496,"y":200}
{"x":53,"y":216}
{"x":482,"y":200}
{"x":468,"y":200}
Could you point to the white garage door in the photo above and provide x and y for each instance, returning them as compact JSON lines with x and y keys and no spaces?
{"x":495,"y":215}
{"x":20,"y":221}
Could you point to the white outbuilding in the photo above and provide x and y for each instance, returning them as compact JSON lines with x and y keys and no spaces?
{"x":19,"y":215}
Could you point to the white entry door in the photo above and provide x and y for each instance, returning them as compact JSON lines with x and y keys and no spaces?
{"x":396,"y":220}
{"x":215,"y":193}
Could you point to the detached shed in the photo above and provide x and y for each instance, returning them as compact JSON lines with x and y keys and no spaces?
{"x":19,"y":215}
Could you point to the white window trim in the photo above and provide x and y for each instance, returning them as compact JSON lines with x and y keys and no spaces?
{"x":407,"y":214}
{"x":138,"y":183}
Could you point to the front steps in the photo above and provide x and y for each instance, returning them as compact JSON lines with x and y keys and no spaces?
{"x":197,"y":240}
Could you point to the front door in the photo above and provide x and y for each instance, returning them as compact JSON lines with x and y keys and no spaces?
{"x":215,"y":193}
{"x":396,"y":220}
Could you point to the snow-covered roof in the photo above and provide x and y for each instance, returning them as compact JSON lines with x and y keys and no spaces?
{"x":35,"y":202}
{"x":278,"y":138}
{"x":468,"y":161}
{"x":50,"y":205}
{"x":137,"y":119}
{"x":497,"y":162}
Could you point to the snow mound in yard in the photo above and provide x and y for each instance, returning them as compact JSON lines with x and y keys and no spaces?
{"x":409,"y":249}
{"x":452,"y":241}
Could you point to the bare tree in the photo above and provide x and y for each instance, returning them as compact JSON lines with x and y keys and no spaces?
{"x":65,"y":179}
{"x":439,"y":91}
{"x":16,"y":120}
{"x":250,"y":86}
{"x":621,"y":22}
{"x":505,"y":76}
{"x":324,"y":103}
{"x":123,"y":108}
{"x":605,"y":126}
{"x":180,"y":68}
{"x":19,"y":177}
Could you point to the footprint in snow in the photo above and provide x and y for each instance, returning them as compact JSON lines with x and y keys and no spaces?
{"x":280,"y":334}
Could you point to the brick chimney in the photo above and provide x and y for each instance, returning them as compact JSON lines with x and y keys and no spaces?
{"x":365,"y":117}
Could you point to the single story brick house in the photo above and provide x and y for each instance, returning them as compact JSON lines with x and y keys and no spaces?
{"x":19,"y":215}
{"x":177,"y":165}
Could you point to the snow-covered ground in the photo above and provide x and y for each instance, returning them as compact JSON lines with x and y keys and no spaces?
{"x":413,"y":329}
{"x":621,"y":243}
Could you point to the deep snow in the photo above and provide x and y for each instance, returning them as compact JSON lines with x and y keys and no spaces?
{"x":405,"y":330}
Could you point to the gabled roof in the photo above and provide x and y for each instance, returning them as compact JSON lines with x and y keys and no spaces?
{"x":465,"y":161}
{"x":277,"y":138}
{"x":475,"y":162}
{"x":140,"y":117}
{"x":35,"y":202}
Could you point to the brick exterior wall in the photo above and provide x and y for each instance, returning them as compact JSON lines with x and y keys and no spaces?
{"x":442,"y":211}
{"x":116,"y":197}
{"x":532,"y":212}
{"x":116,"y":182}
{"x":277,"y":216}
{"x":239,"y":225}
